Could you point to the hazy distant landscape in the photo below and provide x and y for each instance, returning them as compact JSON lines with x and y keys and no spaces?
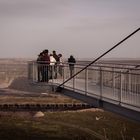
{"x":18,"y":67}
{"x":11,"y":69}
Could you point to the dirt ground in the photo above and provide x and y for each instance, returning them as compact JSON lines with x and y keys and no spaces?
{"x":89,"y":124}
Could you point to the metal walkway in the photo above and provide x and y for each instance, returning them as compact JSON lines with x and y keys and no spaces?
{"x":102,"y":84}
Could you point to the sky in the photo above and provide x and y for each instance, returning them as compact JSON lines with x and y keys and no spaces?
{"x":82,"y":28}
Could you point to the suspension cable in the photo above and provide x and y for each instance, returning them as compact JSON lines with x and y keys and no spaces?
{"x":59,"y":87}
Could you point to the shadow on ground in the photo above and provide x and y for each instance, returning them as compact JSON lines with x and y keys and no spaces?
{"x":23,"y":84}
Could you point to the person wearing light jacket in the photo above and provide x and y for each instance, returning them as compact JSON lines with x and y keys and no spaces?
{"x":52,"y":65}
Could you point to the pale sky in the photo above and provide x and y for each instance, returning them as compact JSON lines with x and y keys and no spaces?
{"x":83,"y":28}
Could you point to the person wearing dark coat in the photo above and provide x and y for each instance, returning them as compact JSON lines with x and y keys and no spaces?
{"x":71,"y":61}
{"x":45,"y":66}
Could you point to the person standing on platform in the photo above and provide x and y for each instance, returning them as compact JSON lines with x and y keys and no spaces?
{"x":60,"y":69}
{"x":55,"y":67}
{"x":52,"y":65}
{"x":46,"y":63}
{"x":39,"y":67}
{"x":71,"y":61}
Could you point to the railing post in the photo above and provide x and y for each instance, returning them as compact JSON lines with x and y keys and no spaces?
{"x":52,"y":72}
{"x":129,"y":86}
{"x":36,"y":72}
{"x":63,"y":73}
{"x":129,"y":82}
{"x":33,"y":71}
{"x":86,"y":81}
{"x":29,"y":70}
{"x":120,"y":95}
{"x":101,"y":83}
{"x":113,"y":80}
{"x":74,"y":81}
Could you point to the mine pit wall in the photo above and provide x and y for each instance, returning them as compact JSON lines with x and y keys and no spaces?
{"x":14,"y":74}
{"x":9,"y":72}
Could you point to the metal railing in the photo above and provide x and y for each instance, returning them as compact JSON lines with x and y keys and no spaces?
{"x":117,"y":85}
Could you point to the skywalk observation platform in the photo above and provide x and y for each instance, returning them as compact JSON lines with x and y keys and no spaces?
{"x":113,"y":86}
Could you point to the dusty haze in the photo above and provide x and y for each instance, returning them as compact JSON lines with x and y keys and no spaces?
{"x":84,"y":28}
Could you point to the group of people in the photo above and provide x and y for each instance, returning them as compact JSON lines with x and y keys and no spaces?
{"x":50,"y":65}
